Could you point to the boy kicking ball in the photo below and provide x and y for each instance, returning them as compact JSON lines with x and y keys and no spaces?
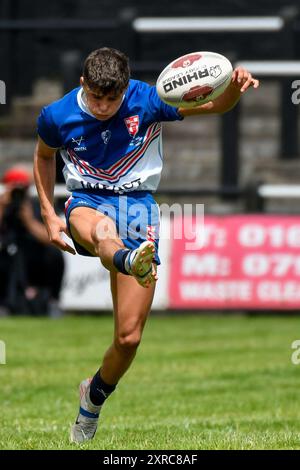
{"x":109,"y":134}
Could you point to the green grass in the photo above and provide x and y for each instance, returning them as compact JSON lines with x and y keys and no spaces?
{"x":197,"y":383}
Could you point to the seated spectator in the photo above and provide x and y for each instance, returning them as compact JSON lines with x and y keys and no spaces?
{"x":31,"y":270}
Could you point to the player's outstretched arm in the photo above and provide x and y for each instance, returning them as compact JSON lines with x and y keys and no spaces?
{"x":44,"y":176}
{"x":240,"y":82}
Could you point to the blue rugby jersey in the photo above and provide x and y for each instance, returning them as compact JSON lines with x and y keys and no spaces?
{"x":121,"y":154}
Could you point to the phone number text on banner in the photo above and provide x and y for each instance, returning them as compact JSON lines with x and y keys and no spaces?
{"x":240,"y":261}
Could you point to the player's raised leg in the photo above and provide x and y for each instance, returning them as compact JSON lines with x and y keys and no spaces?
{"x":97,"y":233}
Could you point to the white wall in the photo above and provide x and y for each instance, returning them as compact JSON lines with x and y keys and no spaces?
{"x":87,"y":286}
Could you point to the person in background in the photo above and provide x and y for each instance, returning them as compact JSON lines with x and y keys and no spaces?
{"x":31,"y":270}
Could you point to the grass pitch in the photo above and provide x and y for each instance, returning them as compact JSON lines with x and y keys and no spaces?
{"x":198,"y":382}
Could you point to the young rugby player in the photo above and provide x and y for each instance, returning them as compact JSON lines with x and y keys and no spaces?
{"x":109,"y":134}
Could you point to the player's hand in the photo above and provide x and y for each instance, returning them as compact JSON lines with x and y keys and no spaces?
{"x":55,"y":226}
{"x":242,"y":79}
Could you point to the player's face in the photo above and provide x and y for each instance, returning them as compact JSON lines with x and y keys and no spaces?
{"x":103,"y":107}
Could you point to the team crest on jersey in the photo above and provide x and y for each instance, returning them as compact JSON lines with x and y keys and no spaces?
{"x":132,"y":124}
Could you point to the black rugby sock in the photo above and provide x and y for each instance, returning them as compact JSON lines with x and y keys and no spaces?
{"x":99,"y":390}
{"x":119,"y":260}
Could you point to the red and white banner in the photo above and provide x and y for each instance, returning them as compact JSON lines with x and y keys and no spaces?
{"x":245,"y":261}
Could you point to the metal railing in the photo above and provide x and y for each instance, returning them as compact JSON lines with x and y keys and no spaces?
{"x":209,"y":24}
{"x":253,"y":195}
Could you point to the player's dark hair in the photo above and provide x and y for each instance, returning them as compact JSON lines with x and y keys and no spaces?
{"x":106,"y":70}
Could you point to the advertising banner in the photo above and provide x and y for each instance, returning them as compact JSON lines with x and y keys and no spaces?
{"x":239,"y":261}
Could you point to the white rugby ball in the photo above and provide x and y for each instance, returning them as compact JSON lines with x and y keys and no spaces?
{"x":194,"y":79}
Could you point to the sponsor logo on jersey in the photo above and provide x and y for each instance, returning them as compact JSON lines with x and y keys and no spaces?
{"x":106,"y":135}
{"x":131,"y":185}
{"x":79,"y":148}
{"x":136,"y":141}
{"x":132,"y":124}
{"x":78,"y":141}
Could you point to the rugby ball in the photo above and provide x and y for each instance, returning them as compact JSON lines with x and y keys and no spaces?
{"x":194,"y":79}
